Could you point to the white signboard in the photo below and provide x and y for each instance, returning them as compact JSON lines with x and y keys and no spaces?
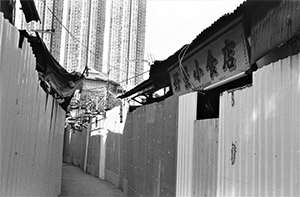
{"x":222,"y":57}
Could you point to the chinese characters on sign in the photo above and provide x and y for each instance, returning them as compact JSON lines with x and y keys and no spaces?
{"x":176,"y":82}
{"x":224,"y":57}
{"x":229,"y":59}
{"x":211,"y":65}
{"x":198,"y":72}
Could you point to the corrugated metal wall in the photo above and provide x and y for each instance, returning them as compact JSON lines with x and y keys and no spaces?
{"x":187,"y":113}
{"x":259,"y":134}
{"x":168,"y":147}
{"x":31,"y":124}
{"x":205,"y":158}
{"x":74,"y":147}
{"x":148,"y":150}
{"x":112,"y":161}
{"x":93,"y":157}
{"x":142,"y":159}
{"x":82,"y":152}
{"x":87,"y":148}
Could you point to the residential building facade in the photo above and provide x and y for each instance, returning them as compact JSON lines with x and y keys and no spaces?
{"x":126,"y":41}
{"x":73,"y":31}
{"x":83,"y":46}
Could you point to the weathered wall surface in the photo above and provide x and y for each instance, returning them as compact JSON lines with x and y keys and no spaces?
{"x":205,"y":157}
{"x":74,"y":147}
{"x":31,"y":124}
{"x":186,"y":117}
{"x":142,"y":160}
{"x":259,"y":134}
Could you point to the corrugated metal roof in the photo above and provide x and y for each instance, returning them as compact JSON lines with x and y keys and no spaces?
{"x":252,"y":11}
{"x":259,"y":134}
{"x":276,"y":27}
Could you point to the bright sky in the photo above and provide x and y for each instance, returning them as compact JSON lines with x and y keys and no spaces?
{"x":170,"y":24}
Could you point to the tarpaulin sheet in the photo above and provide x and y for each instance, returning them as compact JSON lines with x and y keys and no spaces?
{"x":63,"y":83}
{"x":29,"y":9}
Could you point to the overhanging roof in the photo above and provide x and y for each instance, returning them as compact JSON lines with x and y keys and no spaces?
{"x":29,"y":10}
{"x":159,"y":75}
{"x":158,"y":78}
{"x":62,"y":83}
{"x":142,"y":88}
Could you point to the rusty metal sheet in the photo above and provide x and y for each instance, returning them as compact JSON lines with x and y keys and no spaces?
{"x":259,"y":134}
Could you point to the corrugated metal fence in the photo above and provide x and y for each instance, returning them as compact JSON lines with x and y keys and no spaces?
{"x":205,"y":158}
{"x":187,"y":113}
{"x":31,"y":124}
{"x":75,"y":147}
{"x":197,"y":155}
{"x":142,"y":160}
{"x":259,"y":134}
{"x":253,"y":150}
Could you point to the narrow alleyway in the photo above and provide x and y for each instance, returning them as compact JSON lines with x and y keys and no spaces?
{"x":77,"y":183}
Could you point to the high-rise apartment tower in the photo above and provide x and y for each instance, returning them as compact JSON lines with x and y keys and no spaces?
{"x":73,"y":31}
{"x":125,"y":41}
{"x":83,"y":46}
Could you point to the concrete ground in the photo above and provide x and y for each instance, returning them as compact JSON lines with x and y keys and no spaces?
{"x":77,"y":183}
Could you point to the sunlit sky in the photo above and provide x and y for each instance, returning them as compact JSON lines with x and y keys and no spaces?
{"x":170,"y":24}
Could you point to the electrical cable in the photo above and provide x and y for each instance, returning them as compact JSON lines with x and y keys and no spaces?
{"x":110,"y":66}
{"x":76,"y":39}
{"x":135,"y":76}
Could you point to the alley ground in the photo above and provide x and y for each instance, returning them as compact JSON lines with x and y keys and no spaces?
{"x":77,"y":183}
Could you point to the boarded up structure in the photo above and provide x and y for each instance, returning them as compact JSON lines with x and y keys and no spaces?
{"x":142,"y":161}
{"x":31,"y":123}
{"x":205,"y":157}
{"x":253,"y":148}
{"x":259,"y":134}
{"x":74,"y":147}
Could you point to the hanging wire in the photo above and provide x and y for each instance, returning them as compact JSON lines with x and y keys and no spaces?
{"x":135,"y":76}
{"x":77,"y":40}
